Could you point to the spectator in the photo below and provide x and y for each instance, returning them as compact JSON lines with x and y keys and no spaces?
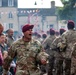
{"x":10,"y":38}
{"x":9,"y":41}
{"x":1,"y":28}
{"x":3,"y":51}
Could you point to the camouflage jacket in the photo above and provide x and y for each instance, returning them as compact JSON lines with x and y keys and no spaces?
{"x":57,"y":51}
{"x":68,"y":39}
{"x":28,"y":56}
{"x":48,"y":43}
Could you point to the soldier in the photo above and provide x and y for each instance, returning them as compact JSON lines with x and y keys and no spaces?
{"x":44,"y":36}
{"x":9,"y":40}
{"x":58,"y":64}
{"x":48,"y":32}
{"x":68,"y":39}
{"x":34,"y":34}
{"x":38,"y":37}
{"x":57,"y":34}
{"x":29,"y":53}
{"x":47,"y":44}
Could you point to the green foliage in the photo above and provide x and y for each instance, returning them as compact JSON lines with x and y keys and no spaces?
{"x":68,"y":11}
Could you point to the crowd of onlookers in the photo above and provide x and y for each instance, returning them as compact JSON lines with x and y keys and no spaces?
{"x":5,"y":42}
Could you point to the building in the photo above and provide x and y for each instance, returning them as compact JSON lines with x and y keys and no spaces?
{"x":42,"y":18}
{"x":13,"y":17}
{"x":8,"y":14}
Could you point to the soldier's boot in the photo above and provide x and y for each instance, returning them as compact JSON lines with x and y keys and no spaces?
{"x":43,"y":70}
{"x":50,"y":69}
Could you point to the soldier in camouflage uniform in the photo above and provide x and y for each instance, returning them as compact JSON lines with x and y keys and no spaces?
{"x":73,"y":64}
{"x":47,"y":44}
{"x":29,"y":54}
{"x":58,"y":64}
{"x":68,"y":39}
{"x":44,"y":36}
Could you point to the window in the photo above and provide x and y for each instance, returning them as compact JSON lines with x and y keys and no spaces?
{"x":51,"y":26}
{"x":10,"y":2}
{"x":0,"y":2}
{"x":10,"y":15}
{"x":10,"y":25}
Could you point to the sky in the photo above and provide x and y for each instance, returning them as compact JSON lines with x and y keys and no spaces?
{"x":39,"y":3}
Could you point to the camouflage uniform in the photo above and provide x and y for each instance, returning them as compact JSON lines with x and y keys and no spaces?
{"x":68,"y":39}
{"x":47,"y":45}
{"x":28,"y":56}
{"x":58,"y":54}
{"x":73,"y":64}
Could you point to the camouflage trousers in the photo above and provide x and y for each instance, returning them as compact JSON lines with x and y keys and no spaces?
{"x":67,"y":69}
{"x":73,"y":66}
{"x":43,"y":69}
{"x":62,"y":66}
{"x":51,"y":65}
{"x":58,"y":66}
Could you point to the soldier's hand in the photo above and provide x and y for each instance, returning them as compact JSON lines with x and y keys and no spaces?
{"x":61,"y":45}
{"x":43,"y":61}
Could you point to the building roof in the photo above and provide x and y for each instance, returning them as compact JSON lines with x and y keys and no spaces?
{"x":39,"y":11}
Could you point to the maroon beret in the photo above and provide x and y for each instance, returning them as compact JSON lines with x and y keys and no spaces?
{"x":44,"y":35}
{"x":52,"y":31}
{"x":39,"y":35}
{"x":57,"y":32}
{"x":70,"y":24}
{"x":27,"y":27}
{"x":62,"y":31}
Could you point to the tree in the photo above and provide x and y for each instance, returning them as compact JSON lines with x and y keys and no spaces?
{"x":68,"y":11}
